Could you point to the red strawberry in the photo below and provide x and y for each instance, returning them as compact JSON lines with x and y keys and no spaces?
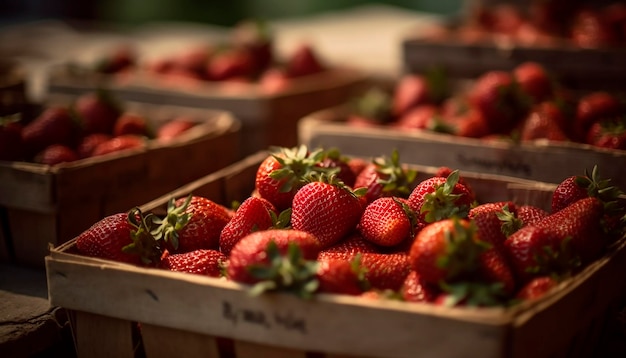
{"x":440,"y":198}
{"x":89,"y":143}
{"x":129,"y":123}
{"x":200,"y":262}
{"x":97,"y":111}
{"x":120,"y":59}
{"x":327,"y":209}
{"x":334,"y":159}
{"x":257,"y":38}
{"x":253,"y":214}
{"x":11,"y":143}
{"x":120,"y":143}
{"x":530,"y":214}
{"x":122,"y":237}
{"x":350,"y":246}
{"x":174,"y":128}
{"x":414,"y":289}
{"x":534,"y":81}
{"x":544,"y":121}
{"x":494,"y":268}
{"x":385,"y":271}
{"x":304,"y":61}
{"x":494,"y":94}
{"x":192,"y":223}
{"x":593,"y":107}
{"x":53,"y":126}
{"x":577,"y":187}
{"x":341,"y":276}
{"x":487,"y":218}
{"x":410,"y":91}
{"x":536,"y":288}
{"x":387,"y":221}
{"x":608,"y":133}
{"x":276,"y":259}
{"x":274,"y":80}
{"x":419,"y":117}
{"x":55,"y":154}
{"x":229,"y":64}
{"x":192,"y":60}
{"x":386,"y":177}
{"x":283,"y":172}
{"x":470,"y":123}
{"x":589,"y":30}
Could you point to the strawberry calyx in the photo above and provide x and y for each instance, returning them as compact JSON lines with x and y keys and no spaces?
{"x":441,"y":203}
{"x":287,"y":273}
{"x":395,"y":179}
{"x":461,"y":256}
{"x":330,"y":177}
{"x":374,"y":104}
{"x":558,"y":264}
{"x":510,"y":223}
{"x":410,"y":214}
{"x":296,"y":165}
{"x":282,"y":220}
{"x":143,"y":242}
{"x":473,"y":294}
{"x":601,"y":189}
{"x":167,"y":229}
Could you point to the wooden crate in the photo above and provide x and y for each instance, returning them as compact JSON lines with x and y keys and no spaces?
{"x":268,"y":118}
{"x":120,"y":310}
{"x":542,"y":161}
{"x":45,"y":204}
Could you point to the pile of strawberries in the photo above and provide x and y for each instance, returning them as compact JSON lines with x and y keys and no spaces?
{"x":522,"y":105}
{"x":319,"y":222}
{"x":542,"y":23}
{"x":96,"y":123}
{"x":247,"y":56}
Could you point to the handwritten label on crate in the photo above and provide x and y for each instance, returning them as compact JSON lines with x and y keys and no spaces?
{"x":276,"y":319}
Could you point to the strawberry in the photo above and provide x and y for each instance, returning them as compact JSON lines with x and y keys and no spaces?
{"x":608,"y":133}
{"x":353,"y":244}
{"x":97,"y":111}
{"x":529,"y":215}
{"x":386,"y":176}
{"x":174,"y":127}
{"x":534,"y":81}
{"x":253,"y":214}
{"x":129,"y":123}
{"x":276,"y":259}
{"x":121,"y":58}
{"x":229,"y":64}
{"x":385,"y":271}
{"x":122,"y":237}
{"x":120,"y":143}
{"x":536,"y":288}
{"x":495,"y":269}
{"x":589,"y":30}
{"x":55,"y":154}
{"x":438,"y":198}
{"x":327,"y":209}
{"x":257,"y":38}
{"x":334,"y":159}
{"x":387,"y":221}
{"x":419,"y":117}
{"x":410,"y":91}
{"x":446,"y":250}
{"x":191,"y":223}
{"x":593,"y":107}
{"x":283,"y":172}
{"x":577,"y":187}
{"x":274,"y":80}
{"x":373,"y":107}
{"x":469,"y":123}
{"x":192,"y":61}
{"x":415,"y":289}
{"x":487,"y":218}
{"x":11,"y":143}
{"x":341,"y":276}
{"x":52,"y":126}
{"x":200,"y":262}
{"x":544,"y":121}
{"x":89,"y":143}
{"x":304,"y":61}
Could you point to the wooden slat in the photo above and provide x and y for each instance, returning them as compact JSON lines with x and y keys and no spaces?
{"x":252,"y":350}
{"x":100,"y":336}
{"x":163,"y":342}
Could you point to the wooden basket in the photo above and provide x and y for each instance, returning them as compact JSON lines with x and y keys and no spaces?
{"x":541,"y":160}
{"x":42,"y":204}
{"x":126,"y":311}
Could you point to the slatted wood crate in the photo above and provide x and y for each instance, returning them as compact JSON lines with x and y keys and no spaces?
{"x":541,"y":160}
{"x":126,"y":311}
{"x":45,"y":204}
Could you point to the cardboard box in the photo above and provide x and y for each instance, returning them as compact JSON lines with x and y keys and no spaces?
{"x":119,"y":309}
{"x":541,"y":160}
{"x":45,"y":204}
{"x":268,"y":118}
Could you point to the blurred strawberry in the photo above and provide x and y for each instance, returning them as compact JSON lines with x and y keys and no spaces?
{"x":589,"y":30}
{"x":495,"y":94}
{"x":97,"y":111}
{"x":593,"y":107}
{"x":117,"y":144}
{"x":129,"y":123}
{"x":53,"y":126}
{"x":534,"y":81}
{"x":420,"y":117}
{"x":119,"y":59}
{"x":175,"y":127}
{"x":230,"y":63}
{"x":256,"y":37}
{"x":274,"y":80}
{"x":89,"y":143}
{"x":373,"y":107}
{"x":55,"y":154}
{"x":545,"y":121}
{"x":303,"y":61}
{"x":608,"y":133}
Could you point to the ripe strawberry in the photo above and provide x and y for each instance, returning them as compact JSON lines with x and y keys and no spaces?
{"x":386,"y":176}
{"x":253,"y":214}
{"x":341,"y":276}
{"x":229,"y":64}
{"x":534,"y":81}
{"x":529,"y":215}
{"x":283,"y":172}
{"x":304,"y":61}
{"x":446,"y":250}
{"x":200,"y":262}
{"x":191,"y":61}
{"x":11,"y":143}
{"x":276,"y":259}
{"x":415,"y":289}
{"x":494,"y":93}
{"x":191,"y":223}
{"x":129,"y":123}
{"x":495,"y":269}
{"x":589,"y":30}
{"x":536,"y":288}
{"x":387,"y":221}
{"x":353,"y":244}
{"x":593,"y":107}
{"x":120,"y":143}
{"x":487,"y":217}
{"x":419,"y":117}
{"x":123,"y":237}
{"x":385,"y":271}
{"x":175,"y":127}
{"x":577,"y":187}
{"x":544,"y":121}
{"x":53,"y":126}
{"x":274,"y":80}
{"x":470,"y":123}
{"x":55,"y":154}
{"x":257,"y":38}
{"x":608,"y":133}
{"x":410,"y":91}
{"x":121,"y":58}
{"x":89,"y":143}
{"x":327,"y":209}
{"x":97,"y":111}
{"x":438,"y":198}
{"x":334,"y":159}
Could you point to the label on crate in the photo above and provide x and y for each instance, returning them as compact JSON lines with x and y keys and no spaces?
{"x":284,"y":320}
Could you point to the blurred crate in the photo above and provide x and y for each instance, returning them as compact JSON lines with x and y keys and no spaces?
{"x":543,"y":161}
{"x":267,"y":117}
{"x":125,"y":311}
{"x":52,"y":204}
